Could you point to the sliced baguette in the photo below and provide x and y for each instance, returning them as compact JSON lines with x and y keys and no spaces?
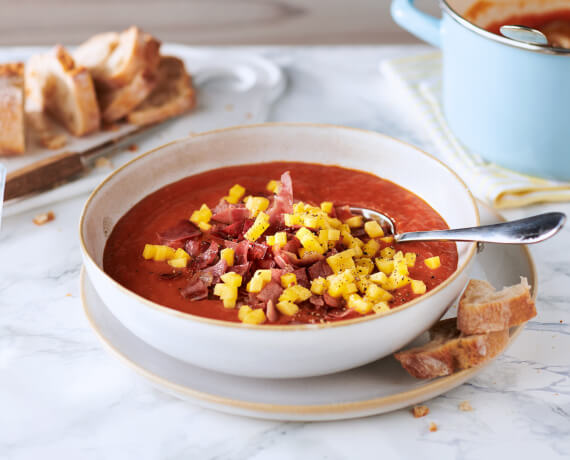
{"x":12,"y":121}
{"x":56,"y":85}
{"x":449,"y":351}
{"x":45,"y":132}
{"x":172,"y":96}
{"x":483,"y":309}
{"x":115,"y":59}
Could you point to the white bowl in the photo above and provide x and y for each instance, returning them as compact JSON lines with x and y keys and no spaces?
{"x":276,"y":351}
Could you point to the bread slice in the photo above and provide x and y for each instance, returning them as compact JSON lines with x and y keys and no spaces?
{"x":115,"y":59}
{"x":450,"y":351}
{"x":483,"y":309}
{"x":12,"y":125}
{"x":44,"y":131}
{"x":56,"y":85}
{"x":117,"y":103}
{"x":172,"y":96}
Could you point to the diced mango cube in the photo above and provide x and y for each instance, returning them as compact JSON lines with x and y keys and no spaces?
{"x":381,"y":307}
{"x":295,"y":293}
{"x":259,"y":226}
{"x":227,"y":293}
{"x":362,"y":283}
{"x":181,"y":254}
{"x":279,"y":239}
{"x":256,"y":316}
{"x":204,"y":226}
{"x":228,"y":255}
{"x":401,"y":267}
{"x":333,"y":222}
{"x":341,"y":261}
{"x":258,"y":281}
{"x":232,"y":279}
{"x":378,"y":278}
{"x":273,"y":186}
{"x":418,"y":287}
{"x":327,"y":206}
{"x":178,"y":263}
{"x":288,"y":279}
{"x":201,"y":215}
{"x":398,"y":256}
{"x":354,"y":222}
{"x":235,"y":193}
{"x":410,"y":258}
{"x":287,"y":308}
{"x":309,"y":240}
{"x":387,"y":253}
{"x":385,"y":265}
{"x":371,"y":248}
{"x":149,"y":251}
{"x":377,"y":294}
{"x":163,"y":253}
{"x":364,"y":266}
{"x":243,"y":310}
{"x":349,"y":288}
{"x":433,"y":262}
{"x":291,"y":220}
{"x":373,"y":229}
{"x":256,"y":204}
{"x":396,"y":281}
{"x":359,"y":304}
{"x":319,"y":285}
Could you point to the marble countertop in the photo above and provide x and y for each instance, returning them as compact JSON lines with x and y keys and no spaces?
{"x":63,"y":396}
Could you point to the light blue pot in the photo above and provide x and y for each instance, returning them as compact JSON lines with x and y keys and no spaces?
{"x":507,"y":101}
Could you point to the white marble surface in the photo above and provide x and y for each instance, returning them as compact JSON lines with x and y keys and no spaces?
{"x":62,"y":396}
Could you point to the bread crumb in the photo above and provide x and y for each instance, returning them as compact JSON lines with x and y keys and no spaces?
{"x":133,"y":148}
{"x":68,"y":294}
{"x":229,"y":107}
{"x":103,"y":162}
{"x":432,"y":426}
{"x":110,"y":127}
{"x":44,"y":218}
{"x":465,"y":406}
{"x":249,"y":115}
{"x":420,"y":411}
{"x":561,"y":321}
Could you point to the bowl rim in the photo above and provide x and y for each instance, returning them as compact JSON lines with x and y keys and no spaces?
{"x":264,"y":327}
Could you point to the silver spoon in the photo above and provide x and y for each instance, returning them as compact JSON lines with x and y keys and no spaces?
{"x":523,"y":231}
{"x":524,"y":34}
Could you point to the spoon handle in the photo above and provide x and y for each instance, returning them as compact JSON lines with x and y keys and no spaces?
{"x":522,"y":231}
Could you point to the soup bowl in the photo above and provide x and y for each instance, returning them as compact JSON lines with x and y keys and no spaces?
{"x":273,"y":351}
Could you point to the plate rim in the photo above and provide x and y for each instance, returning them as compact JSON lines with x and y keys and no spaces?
{"x":433,"y":386}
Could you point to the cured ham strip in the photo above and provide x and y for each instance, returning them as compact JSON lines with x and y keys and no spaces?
{"x":283,"y":202}
{"x":207,"y":257}
{"x":182,"y":231}
{"x":270,"y":292}
{"x":197,"y":290}
{"x":231,"y":214}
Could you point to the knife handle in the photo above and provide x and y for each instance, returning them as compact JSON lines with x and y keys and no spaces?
{"x":42,"y":175}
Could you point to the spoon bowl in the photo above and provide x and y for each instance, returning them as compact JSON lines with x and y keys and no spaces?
{"x":522,"y":231}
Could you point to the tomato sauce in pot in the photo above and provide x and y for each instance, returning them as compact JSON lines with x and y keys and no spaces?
{"x":312,"y":183}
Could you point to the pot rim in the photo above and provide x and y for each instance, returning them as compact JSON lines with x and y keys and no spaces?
{"x":446,"y":8}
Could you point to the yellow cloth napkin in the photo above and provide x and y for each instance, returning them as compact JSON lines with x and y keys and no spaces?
{"x":419,"y":78}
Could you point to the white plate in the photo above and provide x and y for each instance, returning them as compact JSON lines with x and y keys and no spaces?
{"x":376,"y":388}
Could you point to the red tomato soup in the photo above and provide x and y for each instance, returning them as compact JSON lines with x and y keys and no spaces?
{"x":155,"y":251}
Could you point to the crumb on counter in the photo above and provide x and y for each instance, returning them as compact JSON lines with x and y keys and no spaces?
{"x":229,"y":107}
{"x":420,"y":411}
{"x":103,"y":162}
{"x":249,"y":115}
{"x":44,"y":218}
{"x":133,"y":148}
{"x":465,"y":406}
{"x":432,"y":426}
{"x":68,"y":294}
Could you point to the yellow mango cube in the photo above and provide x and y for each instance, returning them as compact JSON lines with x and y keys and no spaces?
{"x":227,"y":293}
{"x":410,"y":258}
{"x":259,"y":226}
{"x":377,"y":294}
{"x":362,"y":284}
{"x":381,"y":307}
{"x":273,"y":186}
{"x":258,"y":281}
{"x":371,"y":248}
{"x":359,"y":304}
{"x":341,"y":261}
{"x":228,"y":255}
{"x":256,"y":316}
{"x":181,"y":254}
{"x":291,"y":220}
{"x":319,"y":285}
{"x":385,"y":265}
{"x":327,"y":206}
{"x":309,"y":240}
{"x":287,"y":308}
{"x":149,"y":251}
{"x":373,"y":229}
{"x":295,"y":294}
{"x":396,"y":280}
{"x":401,"y":267}
{"x":163,"y":253}
{"x":378,"y":278}
{"x":418,"y":287}
{"x":387,"y":253}
{"x":178,"y":263}
{"x":289,"y":279}
{"x":433,"y":262}
{"x":204,"y":226}
{"x":354,"y":222}
{"x":232,"y":279}
{"x":243,"y":310}
{"x":204,"y":214}
{"x":387,"y":239}
{"x":256,"y":204}
{"x":364,"y":266}
{"x":235,"y":193}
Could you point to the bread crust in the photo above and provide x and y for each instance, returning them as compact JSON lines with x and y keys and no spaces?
{"x":172,"y":96}
{"x":450,"y":351}
{"x":483,"y":309}
{"x":12,"y":120}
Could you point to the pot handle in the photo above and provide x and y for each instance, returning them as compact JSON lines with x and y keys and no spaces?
{"x":417,"y":22}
